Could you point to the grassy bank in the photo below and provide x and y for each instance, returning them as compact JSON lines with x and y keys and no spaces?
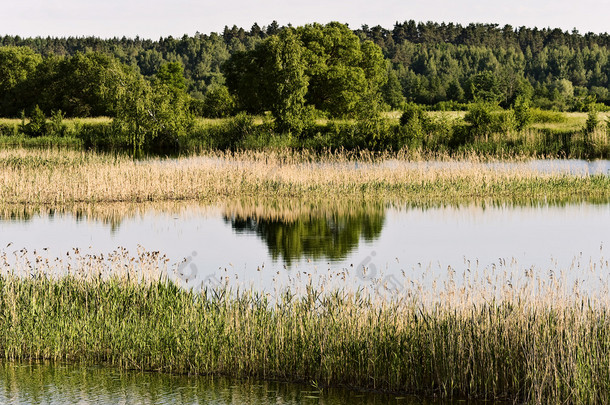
{"x":537,"y":341}
{"x":64,"y":177}
{"x":549,"y":134}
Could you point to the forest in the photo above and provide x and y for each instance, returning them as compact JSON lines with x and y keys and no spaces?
{"x":301,"y":75}
{"x":428,"y":63}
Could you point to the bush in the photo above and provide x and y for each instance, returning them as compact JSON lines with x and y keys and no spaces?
{"x":37,"y":126}
{"x":414,"y":123}
{"x":235,"y":130}
{"x":480,"y":117}
{"x":218,"y":103}
{"x":523,"y":113}
{"x":592,"y":121}
{"x":504,"y":121}
{"x":56,"y":126}
{"x":547,"y":117}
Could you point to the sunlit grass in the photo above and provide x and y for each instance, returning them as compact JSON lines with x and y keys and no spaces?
{"x":59,"y":177}
{"x":505,"y":332}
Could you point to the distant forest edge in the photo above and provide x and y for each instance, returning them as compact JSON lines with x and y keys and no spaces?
{"x":294,"y":79}
{"x":429,"y":63}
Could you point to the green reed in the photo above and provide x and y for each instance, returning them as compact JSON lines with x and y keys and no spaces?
{"x":537,"y":349}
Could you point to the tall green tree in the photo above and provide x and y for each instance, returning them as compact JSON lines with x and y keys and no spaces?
{"x":324,"y":67}
{"x":82,"y":85}
{"x":287,"y":81}
{"x":152,"y":114}
{"x":218,"y":103}
{"x":171,"y":74}
{"x":17,"y":67}
{"x":392,"y":91}
{"x":344,"y":71}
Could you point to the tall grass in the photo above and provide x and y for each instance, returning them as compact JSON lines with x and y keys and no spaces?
{"x":64,"y":177}
{"x":505,"y":333}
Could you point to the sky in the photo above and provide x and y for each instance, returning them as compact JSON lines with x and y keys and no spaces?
{"x":156,"y":18}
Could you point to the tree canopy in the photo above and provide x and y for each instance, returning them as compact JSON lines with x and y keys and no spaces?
{"x":325,"y":67}
{"x":428,"y":63}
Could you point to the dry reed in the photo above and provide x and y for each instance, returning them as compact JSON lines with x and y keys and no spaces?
{"x":64,"y":177}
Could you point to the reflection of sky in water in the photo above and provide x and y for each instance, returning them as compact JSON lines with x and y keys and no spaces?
{"x":549,"y":166}
{"x":540,"y":236}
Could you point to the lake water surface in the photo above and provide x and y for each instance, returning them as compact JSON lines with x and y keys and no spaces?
{"x":258,"y":248}
{"x":58,"y":384}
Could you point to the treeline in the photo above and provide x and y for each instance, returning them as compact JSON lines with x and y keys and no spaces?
{"x":441,"y":65}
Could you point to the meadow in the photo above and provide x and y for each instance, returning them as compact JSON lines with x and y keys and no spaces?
{"x":550,"y":134}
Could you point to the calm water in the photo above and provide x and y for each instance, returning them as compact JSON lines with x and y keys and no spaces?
{"x":254,"y":247}
{"x":70,"y":384}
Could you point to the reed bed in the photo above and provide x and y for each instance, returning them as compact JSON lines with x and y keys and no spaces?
{"x":64,"y":177}
{"x":505,"y":332}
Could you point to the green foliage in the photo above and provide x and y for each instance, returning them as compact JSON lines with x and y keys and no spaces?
{"x":37,"y":125}
{"x":324,"y":67}
{"x":172,"y":75}
{"x":287,"y":81}
{"x":484,"y":87}
{"x":547,"y":117}
{"x":592,"y":121}
{"x":56,"y":124}
{"x":218,"y":103}
{"x":344,"y":72}
{"x":480,"y":117}
{"x":154,"y":116}
{"x":235,"y":130}
{"x":455,"y":91}
{"x":83,"y":85}
{"x":247,"y":81}
{"x":562,"y":89}
{"x":523,"y":114}
{"x":414,"y":123}
{"x":17,"y":68}
{"x":392,"y":91}
{"x":411,"y":113}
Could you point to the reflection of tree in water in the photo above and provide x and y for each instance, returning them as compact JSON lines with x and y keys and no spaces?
{"x":331,"y":236}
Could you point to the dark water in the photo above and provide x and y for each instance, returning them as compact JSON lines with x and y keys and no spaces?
{"x":73,"y":384}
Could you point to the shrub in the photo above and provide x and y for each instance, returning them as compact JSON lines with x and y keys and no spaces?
{"x":523,"y":113}
{"x":480,"y":118}
{"x":235,"y":130}
{"x":37,"y":125}
{"x":218,"y":103}
{"x":592,"y":121}
{"x":56,"y":125}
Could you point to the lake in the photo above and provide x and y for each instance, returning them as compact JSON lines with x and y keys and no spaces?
{"x":265,"y":245}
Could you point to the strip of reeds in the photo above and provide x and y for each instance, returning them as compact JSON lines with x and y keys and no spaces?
{"x":63,"y":177}
{"x":527,"y":338}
